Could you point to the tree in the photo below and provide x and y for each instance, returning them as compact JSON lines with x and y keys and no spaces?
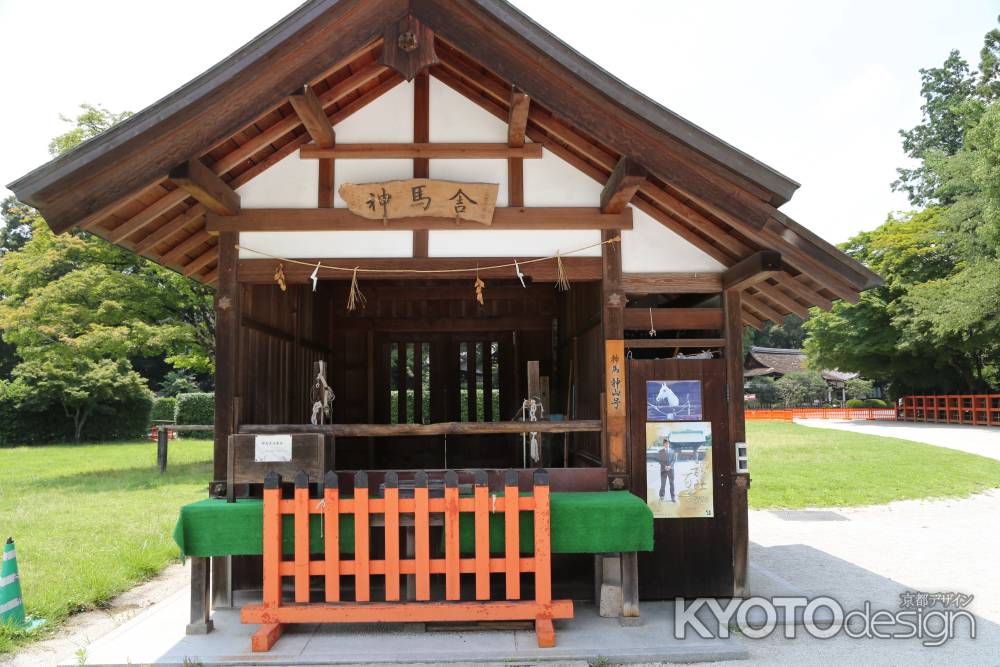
{"x":88,"y":124}
{"x":179,"y":382}
{"x":763,"y":387}
{"x":858,"y":388}
{"x":788,"y":334}
{"x":17,"y":219}
{"x":801,"y":388}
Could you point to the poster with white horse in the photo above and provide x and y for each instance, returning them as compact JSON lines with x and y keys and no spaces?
{"x":673,"y":400}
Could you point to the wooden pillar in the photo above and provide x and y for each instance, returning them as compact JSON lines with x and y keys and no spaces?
{"x":228,"y":298}
{"x":614,"y":368}
{"x":733,"y":304}
{"x":421,"y":134}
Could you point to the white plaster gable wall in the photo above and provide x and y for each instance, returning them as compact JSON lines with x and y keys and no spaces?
{"x":327,"y":244}
{"x":289,"y":183}
{"x":549,"y":181}
{"x":649,"y":246}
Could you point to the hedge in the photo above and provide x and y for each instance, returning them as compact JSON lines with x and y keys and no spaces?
{"x":195,"y":408}
{"x":126,"y":420}
{"x":164,"y":409}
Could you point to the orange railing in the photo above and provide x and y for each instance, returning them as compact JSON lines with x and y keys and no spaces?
{"x":976,"y":409}
{"x":275,"y":612}
{"x":869,"y":414}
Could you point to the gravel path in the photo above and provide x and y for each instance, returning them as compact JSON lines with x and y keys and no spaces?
{"x":981,"y":440}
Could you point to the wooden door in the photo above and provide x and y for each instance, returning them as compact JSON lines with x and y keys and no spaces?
{"x":692,"y":556}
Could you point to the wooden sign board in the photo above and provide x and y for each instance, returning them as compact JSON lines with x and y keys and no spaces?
{"x":422,"y":198}
{"x":253,"y":456}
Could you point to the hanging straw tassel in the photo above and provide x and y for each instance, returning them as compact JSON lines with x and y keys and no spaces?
{"x":480,"y":285}
{"x":355,"y":298}
{"x":279,"y":277}
{"x":562,"y":282}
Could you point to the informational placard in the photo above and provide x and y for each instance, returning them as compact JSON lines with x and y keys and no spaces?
{"x":673,"y":400}
{"x":422,"y":198}
{"x":272,"y":448}
{"x":679,"y":469}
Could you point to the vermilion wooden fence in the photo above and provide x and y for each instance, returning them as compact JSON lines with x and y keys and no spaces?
{"x":976,"y":409}
{"x":275,"y":612}
{"x":870,"y":414}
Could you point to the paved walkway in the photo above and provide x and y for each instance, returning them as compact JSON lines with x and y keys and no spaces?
{"x":981,"y":440}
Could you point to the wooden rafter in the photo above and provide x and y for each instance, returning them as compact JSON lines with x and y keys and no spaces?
{"x":205,"y":186}
{"x":425,"y":150}
{"x":187,"y":245}
{"x":795,"y":285}
{"x":201,"y":261}
{"x":778,"y":296}
{"x":752,"y":320}
{"x":622,"y":185}
{"x":310,"y":111}
{"x":763,"y":309}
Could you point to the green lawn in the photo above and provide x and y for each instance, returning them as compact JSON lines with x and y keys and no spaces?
{"x":794,"y":466}
{"x":90,"y":521}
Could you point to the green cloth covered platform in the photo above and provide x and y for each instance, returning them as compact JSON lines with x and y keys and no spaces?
{"x":582,"y":522}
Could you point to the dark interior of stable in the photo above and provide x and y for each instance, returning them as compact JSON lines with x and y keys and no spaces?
{"x":432,"y":339}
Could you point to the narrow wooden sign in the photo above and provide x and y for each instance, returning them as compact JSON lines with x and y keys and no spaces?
{"x":422,"y":197}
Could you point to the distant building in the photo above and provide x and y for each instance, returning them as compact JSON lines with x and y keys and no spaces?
{"x":775,"y":362}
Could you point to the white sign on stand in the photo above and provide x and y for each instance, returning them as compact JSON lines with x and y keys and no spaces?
{"x":272,"y":448}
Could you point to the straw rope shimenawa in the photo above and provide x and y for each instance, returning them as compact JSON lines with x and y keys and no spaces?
{"x":355,"y":297}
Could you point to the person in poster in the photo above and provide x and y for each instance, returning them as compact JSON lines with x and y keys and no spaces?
{"x":673,"y":400}
{"x":679,"y":469}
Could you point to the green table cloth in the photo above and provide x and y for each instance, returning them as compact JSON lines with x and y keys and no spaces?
{"x":582,"y":522}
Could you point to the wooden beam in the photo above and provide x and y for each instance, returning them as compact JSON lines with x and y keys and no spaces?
{"x":673,"y":319}
{"x":582,"y":269}
{"x":622,"y":185}
{"x":407,"y":47}
{"x":683,"y":343}
{"x":671,"y":283}
{"x":341,"y":219}
{"x":755,"y":268}
{"x":204,"y":185}
{"x":463,"y":151}
{"x":310,"y":112}
{"x":147,"y":215}
{"x":168,"y":230}
{"x":455,"y":325}
{"x":736,"y":432}
{"x":440,"y":428}
{"x":517,"y":120}
{"x":751,"y":320}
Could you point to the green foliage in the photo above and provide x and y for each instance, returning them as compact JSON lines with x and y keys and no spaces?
{"x":17,"y":220}
{"x":858,"y":388}
{"x":91,"y":122}
{"x":195,"y":408}
{"x":394,"y":405}
{"x":802,"y":388}
{"x":875,"y":403}
{"x":855,"y":403}
{"x":934,"y":325}
{"x":789,"y":334}
{"x":178,"y":382}
{"x":764,"y":389}
{"x":164,"y":409}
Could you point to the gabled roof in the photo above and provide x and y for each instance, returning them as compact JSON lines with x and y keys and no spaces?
{"x":237,"y":120}
{"x":782,"y":361}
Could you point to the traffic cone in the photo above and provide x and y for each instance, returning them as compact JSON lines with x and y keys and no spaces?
{"x":11,"y":605}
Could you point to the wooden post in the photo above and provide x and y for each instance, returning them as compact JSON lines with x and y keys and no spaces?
{"x":162,"y":439}
{"x":201,"y":623}
{"x":614,"y":369}
{"x":732,"y":302}
{"x":228,"y":298}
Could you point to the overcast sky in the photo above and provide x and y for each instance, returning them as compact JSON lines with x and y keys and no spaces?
{"x":816,"y":90}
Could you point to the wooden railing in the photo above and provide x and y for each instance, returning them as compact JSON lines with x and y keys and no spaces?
{"x":975,"y":409}
{"x":440,"y":428}
{"x":393,"y":511}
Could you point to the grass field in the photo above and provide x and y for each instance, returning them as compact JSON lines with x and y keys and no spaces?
{"x":90,"y":521}
{"x":794,"y":466}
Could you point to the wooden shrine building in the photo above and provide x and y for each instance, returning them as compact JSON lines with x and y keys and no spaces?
{"x":323,"y":179}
